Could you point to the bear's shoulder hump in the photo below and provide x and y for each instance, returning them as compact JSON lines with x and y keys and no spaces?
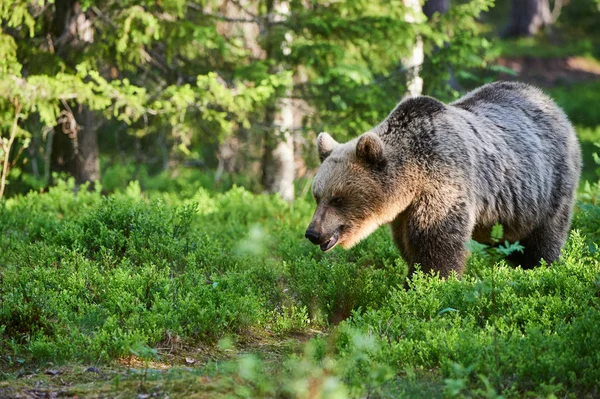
{"x":419,"y":107}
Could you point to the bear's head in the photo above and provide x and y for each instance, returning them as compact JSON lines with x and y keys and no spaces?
{"x":353,"y":189}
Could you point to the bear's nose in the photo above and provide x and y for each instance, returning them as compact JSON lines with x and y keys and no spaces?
{"x":313,"y":235}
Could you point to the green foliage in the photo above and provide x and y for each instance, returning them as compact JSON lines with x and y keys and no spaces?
{"x":161,"y":265}
{"x":106,"y":273}
{"x":156,"y":68}
{"x":352,"y":54}
{"x":582,"y":16}
{"x":586,"y":219}
{"x":91,"y":278}
{"x":531,"y":329}
{"x":188,"y":75}
{"x":542,"y":47}
{"x":499,"y":250}
{"x":575,"y":100}
{"x":461,"y":50}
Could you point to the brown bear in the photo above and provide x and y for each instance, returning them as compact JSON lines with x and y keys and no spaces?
{"x":441,"y":174}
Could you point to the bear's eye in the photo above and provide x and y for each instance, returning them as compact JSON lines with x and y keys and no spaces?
{"x":337,"y":201}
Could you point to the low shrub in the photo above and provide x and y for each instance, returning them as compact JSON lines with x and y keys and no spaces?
{"x":92,"y":278}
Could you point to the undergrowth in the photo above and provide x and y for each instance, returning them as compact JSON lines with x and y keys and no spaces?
{"x":87,"y":278}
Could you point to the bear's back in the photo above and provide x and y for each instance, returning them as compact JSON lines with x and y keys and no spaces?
{"x":510,"y":103}
{"x":525,"y":151}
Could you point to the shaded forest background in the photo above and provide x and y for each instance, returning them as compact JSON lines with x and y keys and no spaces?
{"x":234,"y":91}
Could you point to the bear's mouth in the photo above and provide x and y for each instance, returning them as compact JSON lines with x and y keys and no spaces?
{"x":327,"y":245}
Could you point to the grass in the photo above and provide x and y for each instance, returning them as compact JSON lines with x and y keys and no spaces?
{"x":545,"y":47}
{"x":576,"y":100}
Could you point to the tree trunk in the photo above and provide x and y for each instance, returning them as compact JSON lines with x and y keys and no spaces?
{"x":76,"y":152}
{"x":432,"y":6}
{"x":414,"y":83}
{"x":232,"y":154}
{"x":527,"y":17}
{"x":278,"y":166}
{"x":75,"y":146}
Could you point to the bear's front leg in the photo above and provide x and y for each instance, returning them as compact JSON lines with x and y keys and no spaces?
{"x":435,"y":242}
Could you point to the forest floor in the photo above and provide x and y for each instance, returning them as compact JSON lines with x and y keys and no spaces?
{"x":182,"y":372}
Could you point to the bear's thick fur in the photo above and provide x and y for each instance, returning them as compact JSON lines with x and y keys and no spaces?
{"x":440,"y":174}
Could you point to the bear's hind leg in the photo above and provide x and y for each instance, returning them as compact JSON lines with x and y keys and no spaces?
{"x":544,"y":242}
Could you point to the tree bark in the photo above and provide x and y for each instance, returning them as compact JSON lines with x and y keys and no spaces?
{"x":527,"y":17}
{"x":232,"y":154}
{"x":6,"y":147}
{"x":77,"y":153}
{"x":278,"y":166}
{"x":75,"y":146}
{"x":413,"y":63}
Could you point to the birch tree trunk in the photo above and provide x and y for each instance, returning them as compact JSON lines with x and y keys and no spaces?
{"x":231,"y":153}
{"x":413,"y":63}
{"x":278,"y":166}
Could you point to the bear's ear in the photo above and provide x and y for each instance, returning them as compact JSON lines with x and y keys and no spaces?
{"x":369,"y":149}
{"x":325,"y":144}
